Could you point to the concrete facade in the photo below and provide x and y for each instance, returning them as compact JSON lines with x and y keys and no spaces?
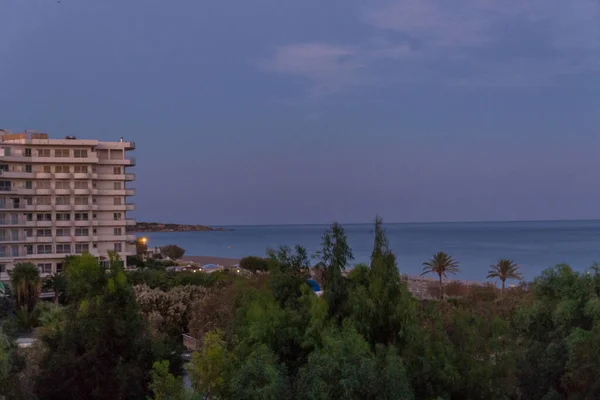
{"x":62,"y":197}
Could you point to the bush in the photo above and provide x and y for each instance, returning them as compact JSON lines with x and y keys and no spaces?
{"x":254,"y":264}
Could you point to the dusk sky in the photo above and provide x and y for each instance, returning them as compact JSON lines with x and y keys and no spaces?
{"x":306,"y":111}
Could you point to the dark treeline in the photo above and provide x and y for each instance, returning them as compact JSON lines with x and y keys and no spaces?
{"x":117,"y":334}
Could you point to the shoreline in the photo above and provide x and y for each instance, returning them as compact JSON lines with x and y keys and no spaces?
{"x":420,"y":286}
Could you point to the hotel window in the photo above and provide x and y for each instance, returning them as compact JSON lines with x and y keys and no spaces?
{"x":63,"y":200}
{"x":47,"y":169}
{"x":14,"y":251}
{"x":117,"y":231}
{"x":43,"y":152}
{"x":81,"y":216}
{"x":63,"y":232}
{"x":43,"y":185}
{"x":4,"y":167}
{"x":28,"y":201}
{"x":2,"y":235}
{"x":117,"y":186}
{"x":78,"y":153}
{"x":63,"y":184}
{"x":2,"y":219}
{"x":82,"y":232}
{"x":28,"y":185}
{"x":29,"y":217}
{"x":45,"y":268}
{"x":28,"y":232}
{"x":61,"y":153}
{"x":117,"y":170}
{"x":82,"y":248}
{"x":2,"y":268}
{"x":82,"y":200}
{"x":62,"y":169}
{"x":63,"y":248}
{"x":44,"y":233}
{"x":14,"y":233}
{"x":44,"y":249}
{"x":43,"y":201}
{"x":28,"y":249}
{"x":117,"y":201}
{"x":2,"y":251}
{"x":14,"y":219}
{"x":5,"y":186}
{"x":117,"y":247}
{"x":117,"y":216}
{"x":27,"y":152}
{"x":59,"y":268}
{"x":63,"y":216}
{"x":81,"y":184}
{"x":2,"y":202}
{"x":81,"y":169}
{"x":44,"y":217}
{"x":28,"y":168}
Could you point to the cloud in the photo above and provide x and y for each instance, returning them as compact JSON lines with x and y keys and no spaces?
{"x":462,"y":42}
{"x":329,"y":67}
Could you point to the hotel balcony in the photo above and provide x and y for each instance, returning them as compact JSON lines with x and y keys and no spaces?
{"x":62,"y":207}
{"x":83,"y":175}
{"x":117,"y":238}
{"x":130,"y":177}
{"x":130,"y":207}
{"x":17,"y":174}
{"x":84,"y":223}
{"x":112,"y":222}
{"x":43,"y":175}
{"x":117,"y":161}
{"x":82,"y":192}
{"x":63,"y":175}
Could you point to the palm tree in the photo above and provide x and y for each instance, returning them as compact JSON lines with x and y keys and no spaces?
{"x":26,"y":283}
{"x":503,"y":270}
{"x":441,"y":264}
{"x":55,"y":283}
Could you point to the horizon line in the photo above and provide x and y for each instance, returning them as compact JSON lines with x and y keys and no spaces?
{"x":393,"y":223}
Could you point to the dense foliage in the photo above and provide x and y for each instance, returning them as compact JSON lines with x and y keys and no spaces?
{"x":269,"y":336}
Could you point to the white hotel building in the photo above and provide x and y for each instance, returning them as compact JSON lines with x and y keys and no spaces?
{"x":60,"y":197}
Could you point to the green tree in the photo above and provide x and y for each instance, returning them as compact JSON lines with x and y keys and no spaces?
{"x":254,"y":264}
{"x":345,"y":368}
{"x":104,"y":350}
{"x":442,"y":265}
{"x":207,"y":370}
{"x":172,"y":251}
{"x":503,"y":270}
{"x":163,"y":385}
{"x":26,"y":283}
{"x":335,"y":255}
{"x":55,"y":283}
{"x":84,"y":277}
{"x":259,"y":377}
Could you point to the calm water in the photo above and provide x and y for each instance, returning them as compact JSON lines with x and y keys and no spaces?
{"x":533,"y":245}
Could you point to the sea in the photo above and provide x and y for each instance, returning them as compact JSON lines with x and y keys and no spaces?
{"x":534,"y":246}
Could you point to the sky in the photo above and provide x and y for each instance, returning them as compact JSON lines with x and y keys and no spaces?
{"x":276,"y":112}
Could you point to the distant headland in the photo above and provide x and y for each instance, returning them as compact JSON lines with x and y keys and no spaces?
{"x":160,"y":227}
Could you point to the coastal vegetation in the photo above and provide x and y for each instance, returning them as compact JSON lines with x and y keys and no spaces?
{"x":267,"y":335}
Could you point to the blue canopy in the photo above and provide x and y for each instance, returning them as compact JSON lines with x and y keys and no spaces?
{"x":314,"y":285}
